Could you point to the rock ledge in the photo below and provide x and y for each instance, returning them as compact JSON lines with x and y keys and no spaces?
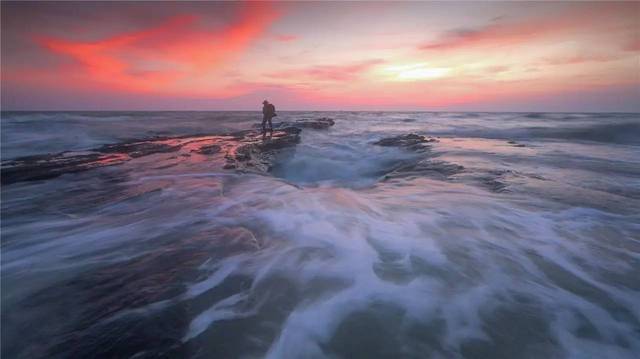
{"x":244,"y":150}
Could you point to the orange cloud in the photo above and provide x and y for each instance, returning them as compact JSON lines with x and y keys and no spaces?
{"x":157,"y":58}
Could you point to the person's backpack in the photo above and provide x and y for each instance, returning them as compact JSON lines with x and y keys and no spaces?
{"x":273,"y":109}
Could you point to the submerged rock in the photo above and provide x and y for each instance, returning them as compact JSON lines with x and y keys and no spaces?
{"x":421,"y":166}
{"x":318,"y":123}
{"x":427,"y":167}
{"x":244,"y":150}
{"x":410,"y":141}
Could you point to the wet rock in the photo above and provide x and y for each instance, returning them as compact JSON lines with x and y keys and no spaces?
{"x":53,"y":165}
{"x":139,"y":149}
{"x":238,"y":135}
{"x":494,"y":184}
{"x":259,"y":155}
{"x":424,"y":164}
{"x":243,"y":150}
{"x":515,"y":144}
{"x":316,"y":124}
{"x":111,"y":298}
{"x":410,"y":141}
{"x":499,"y":180}
{"x":209,"y":150}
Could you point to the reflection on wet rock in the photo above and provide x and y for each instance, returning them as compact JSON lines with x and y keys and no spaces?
{"x":246,"y":150}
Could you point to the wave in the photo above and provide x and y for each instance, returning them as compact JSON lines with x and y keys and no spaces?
{"x":622,"y":133}
{"x":613,"y":133}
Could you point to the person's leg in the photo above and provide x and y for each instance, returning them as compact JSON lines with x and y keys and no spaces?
{"x":270,"y":125}
{"x":264,"y":125}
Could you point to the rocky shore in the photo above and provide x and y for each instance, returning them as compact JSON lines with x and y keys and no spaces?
{"x":242,"y":151}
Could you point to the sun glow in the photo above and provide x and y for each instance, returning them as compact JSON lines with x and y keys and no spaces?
{"x":416,"y":72}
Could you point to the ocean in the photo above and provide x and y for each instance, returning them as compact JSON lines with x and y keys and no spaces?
{"x":518,"y":236}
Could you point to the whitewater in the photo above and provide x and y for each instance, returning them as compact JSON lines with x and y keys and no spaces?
{"x":518,"y":236}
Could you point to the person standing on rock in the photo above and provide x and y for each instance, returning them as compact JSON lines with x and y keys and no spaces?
{"x":268,"y":112}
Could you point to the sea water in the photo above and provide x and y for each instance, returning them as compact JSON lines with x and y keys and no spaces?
{"x":531,"y":249}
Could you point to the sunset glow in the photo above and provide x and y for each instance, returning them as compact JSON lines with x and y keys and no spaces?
{"x":365,"y":56}
{"x":418,"y":72}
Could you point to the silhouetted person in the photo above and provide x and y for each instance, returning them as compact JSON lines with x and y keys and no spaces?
{"x":268,"y":112}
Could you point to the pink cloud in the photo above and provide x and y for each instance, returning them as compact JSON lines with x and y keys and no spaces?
{"x":497,"y":69}
{"x":607,"y":17}
{"x":633,"y":45}
{"x":159,"y":58}
{"x":329,"y":72}
{"x":490,"y":35}
{"x":579,"y":59}
{"x":285,"y":37}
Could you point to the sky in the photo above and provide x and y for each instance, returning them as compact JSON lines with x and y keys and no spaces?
{"x":428,"y":56}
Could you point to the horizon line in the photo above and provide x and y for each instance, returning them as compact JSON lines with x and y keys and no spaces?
{"x":298,"y":110}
